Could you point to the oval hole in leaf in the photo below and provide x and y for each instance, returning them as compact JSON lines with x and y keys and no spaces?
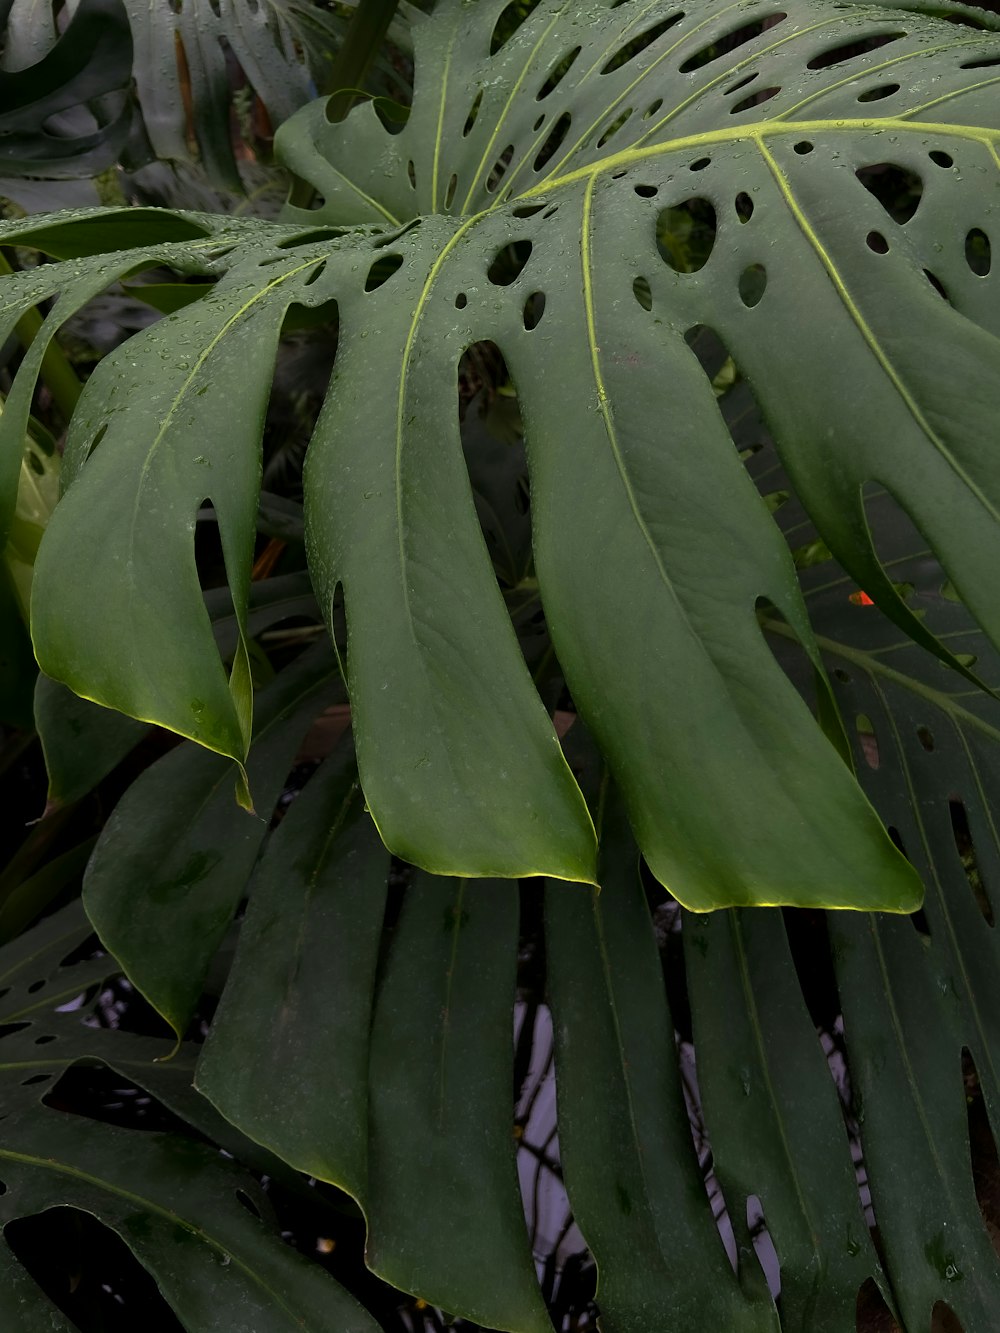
{"x":978,"y":253}
{"x":753,"y":282}
{"x":867,"y":739}
{"x":49,"y":1246}
{"x":982,"y":1143}
{"x":685,"y":235}
{"x":642,"y":293}
{"x":981,"y":64}
{"x":557,"y":73}
{"x":470,"y":119}
{"x":879,"y":92}
{"x":638,"y":44}
{"x":381,"y":271}
{"x":723,"y":46}
{"x":508,"y":23}
{"x":411,"y":174}
{"x":646,"y":191}
{"x":802,"y":147}
{"x":652,"y":109}
{"x":554,"y":141}
{"x":926,"y":738}
{"x":449,"y":194}
{"x":508,"y":263}
{"x":896,"y":188}
{"x":614,"y":127}
{"x":534,"y":308}
{"x":966,"y":849}
{"x":941,"y":159}
{"x":741,"y":83}
{"x":499,"y":168}
{"x":744,"y":206}
{"x":937,"y":284}
{"x":877,"y":242}
{"x":755,"y":99}
{"x":837,"y":55}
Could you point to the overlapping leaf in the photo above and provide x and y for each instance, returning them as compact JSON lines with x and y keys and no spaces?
{"x":651,"y":548}
{"x":173,"y":1200}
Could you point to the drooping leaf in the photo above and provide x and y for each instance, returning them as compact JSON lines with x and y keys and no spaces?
{"x":634,"y":1182}
{"x":441,"y":1129}
{"x":83,"y":742}
{"x":409,"y":1111}
{"x":299,"y":993}
{"x":776,"y":1129}
{"x":178,"y":833}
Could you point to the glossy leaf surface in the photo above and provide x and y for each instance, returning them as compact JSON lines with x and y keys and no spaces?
{"x":185,"y":803}
{"x":576,"y":151}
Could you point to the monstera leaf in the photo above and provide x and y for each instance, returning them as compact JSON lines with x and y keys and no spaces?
{"x":534,"y":199}
{"x":173,"y":1200}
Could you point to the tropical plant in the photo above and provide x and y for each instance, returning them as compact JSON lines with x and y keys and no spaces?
{"x":736,"y":263}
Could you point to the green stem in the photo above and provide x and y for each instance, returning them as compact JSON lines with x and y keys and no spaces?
{"x":59,"y":376}
{"x":365,"y":35}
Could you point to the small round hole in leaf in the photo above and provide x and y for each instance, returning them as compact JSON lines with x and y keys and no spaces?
{"x":685,"y":235}
{"x":876,"y":94}
{"x":877,"y":242}
{"x":941,"y":159}
{"x":508,"y":263}
{"x":802,"y":147}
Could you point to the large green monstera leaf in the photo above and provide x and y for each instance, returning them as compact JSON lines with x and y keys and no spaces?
{"x":535,"y":198}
